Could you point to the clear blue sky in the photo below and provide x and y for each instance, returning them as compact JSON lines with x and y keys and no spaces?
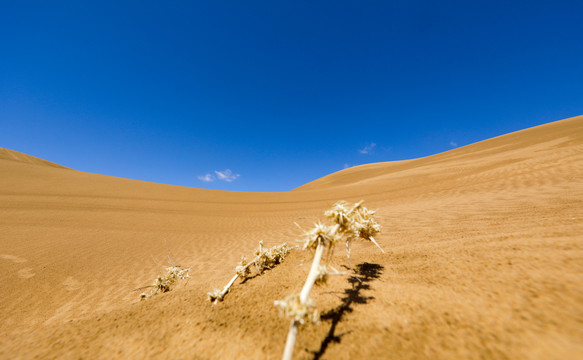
{"x":278,"y":92}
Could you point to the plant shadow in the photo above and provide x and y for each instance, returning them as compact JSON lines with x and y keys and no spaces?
{"x":249,"y":278}
{"x":363,"y":274}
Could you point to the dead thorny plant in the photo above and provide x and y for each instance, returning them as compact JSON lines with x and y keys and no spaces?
{"x":264,"y":259}
{"x":166,"y":282}
{"x":350,"y":223}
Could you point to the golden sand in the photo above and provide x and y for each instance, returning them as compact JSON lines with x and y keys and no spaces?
{"x":484,"y":259}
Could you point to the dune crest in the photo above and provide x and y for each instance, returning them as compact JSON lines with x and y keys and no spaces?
{"x":11,"y":155}
{"x":483,"y":259}
{"x":541,"y":138}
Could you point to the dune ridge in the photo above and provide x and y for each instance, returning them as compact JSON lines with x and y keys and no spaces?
{"x":484,"y":259}
{"x":11,"y":155}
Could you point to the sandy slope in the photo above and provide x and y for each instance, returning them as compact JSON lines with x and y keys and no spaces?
{"x":484,"y":260}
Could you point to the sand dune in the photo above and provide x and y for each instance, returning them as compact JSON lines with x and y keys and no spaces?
{"x":484,"y":259}
{"x":9,"y":155}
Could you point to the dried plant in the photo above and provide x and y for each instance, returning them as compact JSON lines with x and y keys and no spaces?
{"x":360,"y":224}
{"x":350,"y":222}
{"x":166,"y":282}
{"x":264,"y":259}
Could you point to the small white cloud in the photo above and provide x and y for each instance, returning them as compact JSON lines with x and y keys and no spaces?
{"x":226,"y":175}
{"x":206,"y":178}
{"x":346,"y":166}
{"x":452,"y":143}
{"x":367,"y":149}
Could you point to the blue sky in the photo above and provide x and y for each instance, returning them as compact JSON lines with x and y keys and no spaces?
{"x":269,"y":95}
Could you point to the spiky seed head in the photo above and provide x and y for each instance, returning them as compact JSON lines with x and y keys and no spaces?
{"x":339,"y":214}
{"x":321,"y":233}
{"x":300,"y":312}
{"x":365,"y":224}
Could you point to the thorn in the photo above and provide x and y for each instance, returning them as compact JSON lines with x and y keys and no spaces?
{"x":374,"y":242}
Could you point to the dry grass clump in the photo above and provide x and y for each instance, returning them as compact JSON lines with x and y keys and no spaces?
{"x":166,"y":282}
{"x":264,"y":259}
{"x":350,"y":222}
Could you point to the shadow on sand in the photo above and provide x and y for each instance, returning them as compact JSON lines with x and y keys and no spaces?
{"x":363,"y":275}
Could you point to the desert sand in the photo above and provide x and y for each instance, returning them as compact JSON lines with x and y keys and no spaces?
{"x":484,"y":259}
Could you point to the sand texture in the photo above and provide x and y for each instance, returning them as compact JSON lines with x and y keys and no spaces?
{"x":484,"y":259}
